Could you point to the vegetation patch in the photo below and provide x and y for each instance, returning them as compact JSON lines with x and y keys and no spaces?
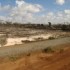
{"x":3,"y":40}
{"x":13,"y":58}
{"x":48,"y":50}
{"x":51,"y":38}
{"x":26,"y":41}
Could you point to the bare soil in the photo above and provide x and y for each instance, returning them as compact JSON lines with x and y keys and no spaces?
{"x":40,"y":61}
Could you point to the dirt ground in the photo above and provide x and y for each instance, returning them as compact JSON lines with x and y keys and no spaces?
{"x":58,"y":60}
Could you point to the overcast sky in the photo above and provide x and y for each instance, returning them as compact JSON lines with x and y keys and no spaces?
{"x":37,"y":11}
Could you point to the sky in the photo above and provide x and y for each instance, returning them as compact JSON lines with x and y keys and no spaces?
{"x":35,"y":11}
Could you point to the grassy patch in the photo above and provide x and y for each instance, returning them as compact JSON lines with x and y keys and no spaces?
{"x":13,"y":58}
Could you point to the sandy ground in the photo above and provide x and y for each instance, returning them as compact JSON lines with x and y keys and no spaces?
{"x":35,"y":35}
{"x":31,"y":47}
{"x":40,"y":61}
{"x":13,"y":41}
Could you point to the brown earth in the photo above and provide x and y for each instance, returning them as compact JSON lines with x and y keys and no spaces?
{"x":58,"y":60}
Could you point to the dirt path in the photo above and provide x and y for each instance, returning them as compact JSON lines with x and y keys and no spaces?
{"x":29,"y":47}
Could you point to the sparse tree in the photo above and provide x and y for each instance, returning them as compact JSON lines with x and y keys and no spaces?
{"x":49,"y":24}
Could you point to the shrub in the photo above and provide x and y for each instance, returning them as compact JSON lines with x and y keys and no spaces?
{"x":26,"y":41}
{"x":51,"y":38}
{"x":39,"y":39}
{"x":13,"y":58}
{"x":3,"y":40}
{"x":48,"y":49}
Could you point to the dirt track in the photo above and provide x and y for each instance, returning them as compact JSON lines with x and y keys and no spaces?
{"x":29,"y":47}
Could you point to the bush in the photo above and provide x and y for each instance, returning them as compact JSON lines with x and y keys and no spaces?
{"x":39,"y":39}
{"x":13,"y":58}
{"x":48,"y":49}
{"x":26,"y":41}
{"x":3,"y":40}
{"x":51,"y":38}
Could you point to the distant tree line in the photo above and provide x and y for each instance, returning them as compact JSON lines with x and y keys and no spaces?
{"x":50,"y":26}
{"x":65,"y":27}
